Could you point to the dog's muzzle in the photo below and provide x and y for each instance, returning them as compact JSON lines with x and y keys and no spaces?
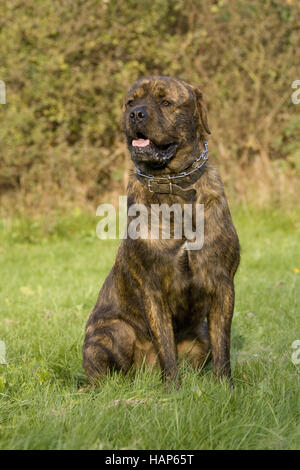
{"x":143,"y":150}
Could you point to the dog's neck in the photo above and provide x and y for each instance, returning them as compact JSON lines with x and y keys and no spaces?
{"x":177,"y":183}
{"x":186,"y":156}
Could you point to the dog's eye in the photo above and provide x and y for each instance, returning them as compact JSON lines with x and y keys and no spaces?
{"x":165,"y":103}
{"x":130,"y":103}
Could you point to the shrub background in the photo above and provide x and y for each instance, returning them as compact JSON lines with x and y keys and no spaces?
{"x":67,"y":65}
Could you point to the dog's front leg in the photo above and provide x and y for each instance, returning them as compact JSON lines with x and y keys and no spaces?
{"x":219,"y":326}
{"x":161,"y":330}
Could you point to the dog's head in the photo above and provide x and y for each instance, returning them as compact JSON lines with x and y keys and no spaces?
{"x":165,"y":121}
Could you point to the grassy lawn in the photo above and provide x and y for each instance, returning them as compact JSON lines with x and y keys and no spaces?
{"x":50,"y":277}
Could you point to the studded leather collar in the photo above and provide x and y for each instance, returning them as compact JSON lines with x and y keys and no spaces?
{"x":177,"y":184}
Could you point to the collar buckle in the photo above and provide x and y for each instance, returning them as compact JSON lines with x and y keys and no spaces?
{"x":149,"y":186}
{"x":171,"y":185}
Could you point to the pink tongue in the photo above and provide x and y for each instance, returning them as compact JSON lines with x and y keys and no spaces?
{"x":140,"y":143}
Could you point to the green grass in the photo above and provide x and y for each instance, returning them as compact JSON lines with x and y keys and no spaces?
{"x":51,"y":273}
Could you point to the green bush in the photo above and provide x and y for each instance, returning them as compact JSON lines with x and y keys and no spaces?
{"x":67,"y":65}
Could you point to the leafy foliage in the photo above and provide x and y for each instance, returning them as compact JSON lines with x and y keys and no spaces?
{"x":67,"y":65}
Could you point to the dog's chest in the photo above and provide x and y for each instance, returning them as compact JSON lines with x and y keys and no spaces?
{"x":176,"y":278}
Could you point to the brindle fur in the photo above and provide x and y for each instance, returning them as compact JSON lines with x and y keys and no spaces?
{"x":159,"y":300}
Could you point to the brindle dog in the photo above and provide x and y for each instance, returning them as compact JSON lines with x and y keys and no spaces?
{"x":161,"y":301}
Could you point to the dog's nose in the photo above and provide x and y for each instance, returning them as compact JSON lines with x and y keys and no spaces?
{"x":138,"y":114}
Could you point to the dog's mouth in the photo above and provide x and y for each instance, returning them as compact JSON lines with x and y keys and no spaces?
{"x":144,"y":150}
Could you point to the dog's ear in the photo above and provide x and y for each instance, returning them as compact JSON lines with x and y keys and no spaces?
{"x":202,"y":108}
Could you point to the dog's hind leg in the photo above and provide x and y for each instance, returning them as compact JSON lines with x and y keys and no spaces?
{"x":109,"y":345}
